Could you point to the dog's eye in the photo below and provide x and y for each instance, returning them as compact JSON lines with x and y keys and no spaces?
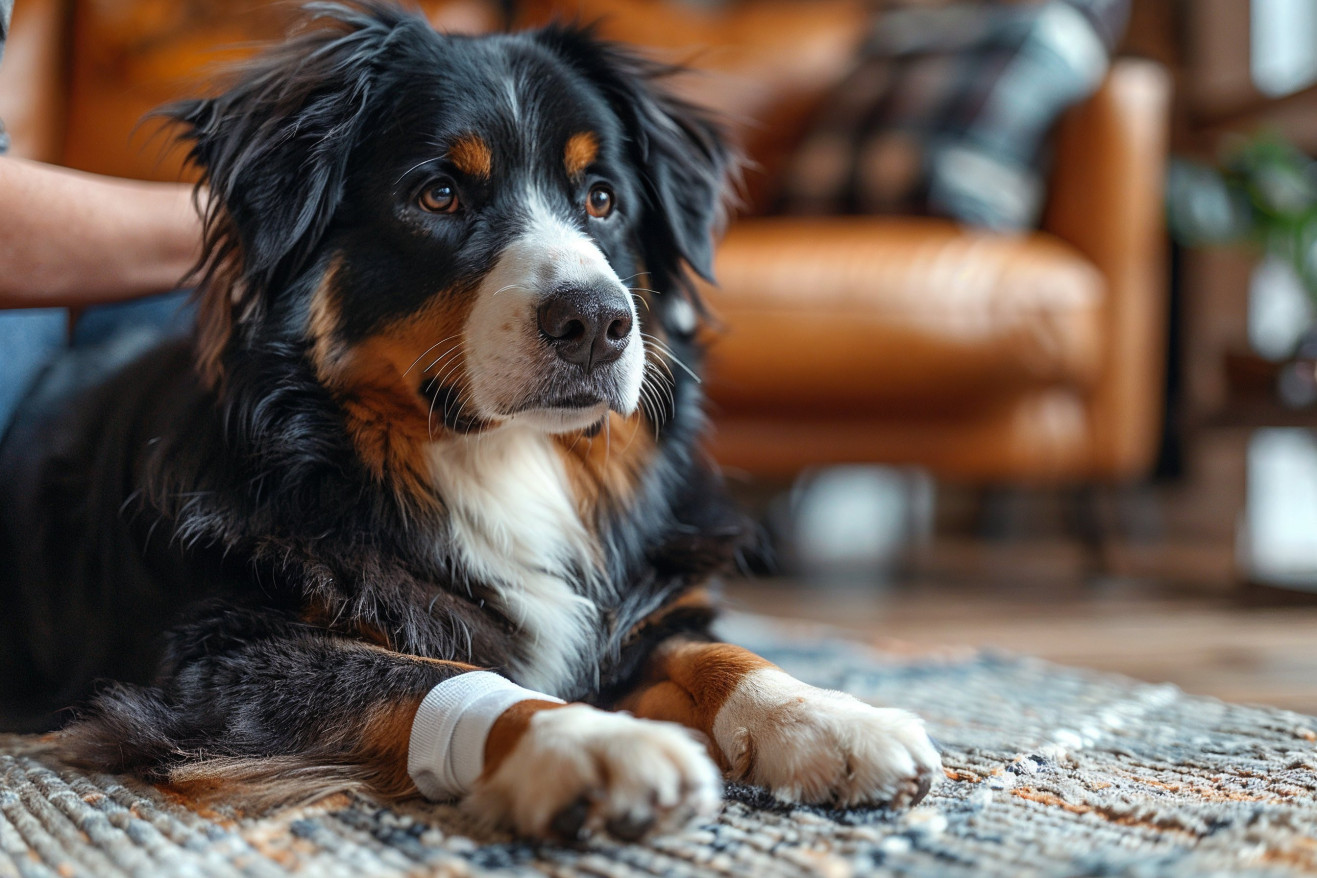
{"x":599,"y":203}
{"x":439,"y":198}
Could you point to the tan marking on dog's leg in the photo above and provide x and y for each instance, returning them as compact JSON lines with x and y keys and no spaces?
{"x":384,"y":739}
{"x":508,"y":729}
{"x":384,"y":744}
{"x":665,"y":701}
{"x":709,"y":673}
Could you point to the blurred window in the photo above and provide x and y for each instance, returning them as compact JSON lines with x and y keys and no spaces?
{"x":1283,"y":46}
{"x":1278,"y":309}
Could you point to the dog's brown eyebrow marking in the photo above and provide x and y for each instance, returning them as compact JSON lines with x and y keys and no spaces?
{"x":582,"y":148}
{"x":471,"y":155}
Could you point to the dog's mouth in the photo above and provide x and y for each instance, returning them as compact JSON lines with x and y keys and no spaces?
{"x":585,"y":411}
{"x":573,"y":402}
{"x":563,"y":414}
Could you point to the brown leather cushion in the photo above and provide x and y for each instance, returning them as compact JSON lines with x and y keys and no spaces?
{"x":1038,"y":436}
{"x":898,"y":316}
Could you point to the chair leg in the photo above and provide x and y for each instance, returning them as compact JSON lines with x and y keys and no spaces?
{"x":1089,"y":526}
{"x":1003,"y":513}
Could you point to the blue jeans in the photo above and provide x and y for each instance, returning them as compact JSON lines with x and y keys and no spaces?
{"x":31,"y":338}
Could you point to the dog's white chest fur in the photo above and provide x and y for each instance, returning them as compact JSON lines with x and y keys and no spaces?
{"x":514,"y":526}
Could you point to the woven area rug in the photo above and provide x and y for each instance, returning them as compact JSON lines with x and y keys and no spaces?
{"x":1051,"y":771}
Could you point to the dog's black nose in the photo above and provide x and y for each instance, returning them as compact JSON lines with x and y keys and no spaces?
{"x":586,"y":326}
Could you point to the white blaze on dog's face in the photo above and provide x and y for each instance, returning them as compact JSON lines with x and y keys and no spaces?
{"x":553,"y":338}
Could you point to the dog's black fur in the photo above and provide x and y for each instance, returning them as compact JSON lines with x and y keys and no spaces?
{"x":192,"y":518}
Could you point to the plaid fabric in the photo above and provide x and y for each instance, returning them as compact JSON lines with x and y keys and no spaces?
{"x":948,"y":109}
{"x":6,"y":10}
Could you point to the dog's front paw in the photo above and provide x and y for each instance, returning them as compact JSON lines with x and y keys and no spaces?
{"x":577,"y":771}
{"x":806,"y":744}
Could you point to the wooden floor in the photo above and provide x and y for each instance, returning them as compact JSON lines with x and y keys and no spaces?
{"x":1200,"y":631}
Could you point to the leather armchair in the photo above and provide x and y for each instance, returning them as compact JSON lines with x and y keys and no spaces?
{"x":1036,"y":358}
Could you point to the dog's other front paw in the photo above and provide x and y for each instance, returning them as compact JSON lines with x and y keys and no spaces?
{"x":818,"y":746}
{"x":577,"y":771}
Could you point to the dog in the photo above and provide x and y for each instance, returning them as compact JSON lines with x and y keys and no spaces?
{"x":421,"y":505}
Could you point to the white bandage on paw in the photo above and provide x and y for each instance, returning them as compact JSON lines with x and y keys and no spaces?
{"x":447,"y":749}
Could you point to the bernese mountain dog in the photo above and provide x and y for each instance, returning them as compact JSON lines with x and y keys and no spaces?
{"x":420,"y":506}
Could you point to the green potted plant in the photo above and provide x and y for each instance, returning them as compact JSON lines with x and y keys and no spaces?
{"x":1263,"y":194}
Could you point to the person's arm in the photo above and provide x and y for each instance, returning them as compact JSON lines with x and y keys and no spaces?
{"x":69,"y":238}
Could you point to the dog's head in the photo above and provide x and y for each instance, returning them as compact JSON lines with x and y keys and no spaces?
{"x":461,"y":232}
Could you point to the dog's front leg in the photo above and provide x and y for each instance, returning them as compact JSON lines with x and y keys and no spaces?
{"x":800,"y":742}
{"x":282,"y":714}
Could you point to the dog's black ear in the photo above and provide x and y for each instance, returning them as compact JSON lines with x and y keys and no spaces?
{"x":273,"y":150}
{"x":680,"y":151}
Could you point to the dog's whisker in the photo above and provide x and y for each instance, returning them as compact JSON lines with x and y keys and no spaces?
{"x":435,"y":362}
{"x":634,"y":430}
{"x":661,"y":363}
{"x":461,"y":407}
{"x":650,"y":407}
{"x":661,"y":345}
{"x":448,"y":353}
{"x":426,"y":351}
{"x":575,"y":442}
{"x":657,"y":341}
{"x":663,"y":401}
{"x":437,"y":382}
{"x":429,"y":419}
{"x":449,"y":371}
{"x":666,"y":385}
{"x":658,"y":362}
{"x":460,"y":347}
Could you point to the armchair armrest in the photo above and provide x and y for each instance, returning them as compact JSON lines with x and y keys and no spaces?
{"x":1106,"y":200}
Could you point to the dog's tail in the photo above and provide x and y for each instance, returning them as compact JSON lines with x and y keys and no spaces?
{"x":134,"y":729}
{"x":126,"y":729}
